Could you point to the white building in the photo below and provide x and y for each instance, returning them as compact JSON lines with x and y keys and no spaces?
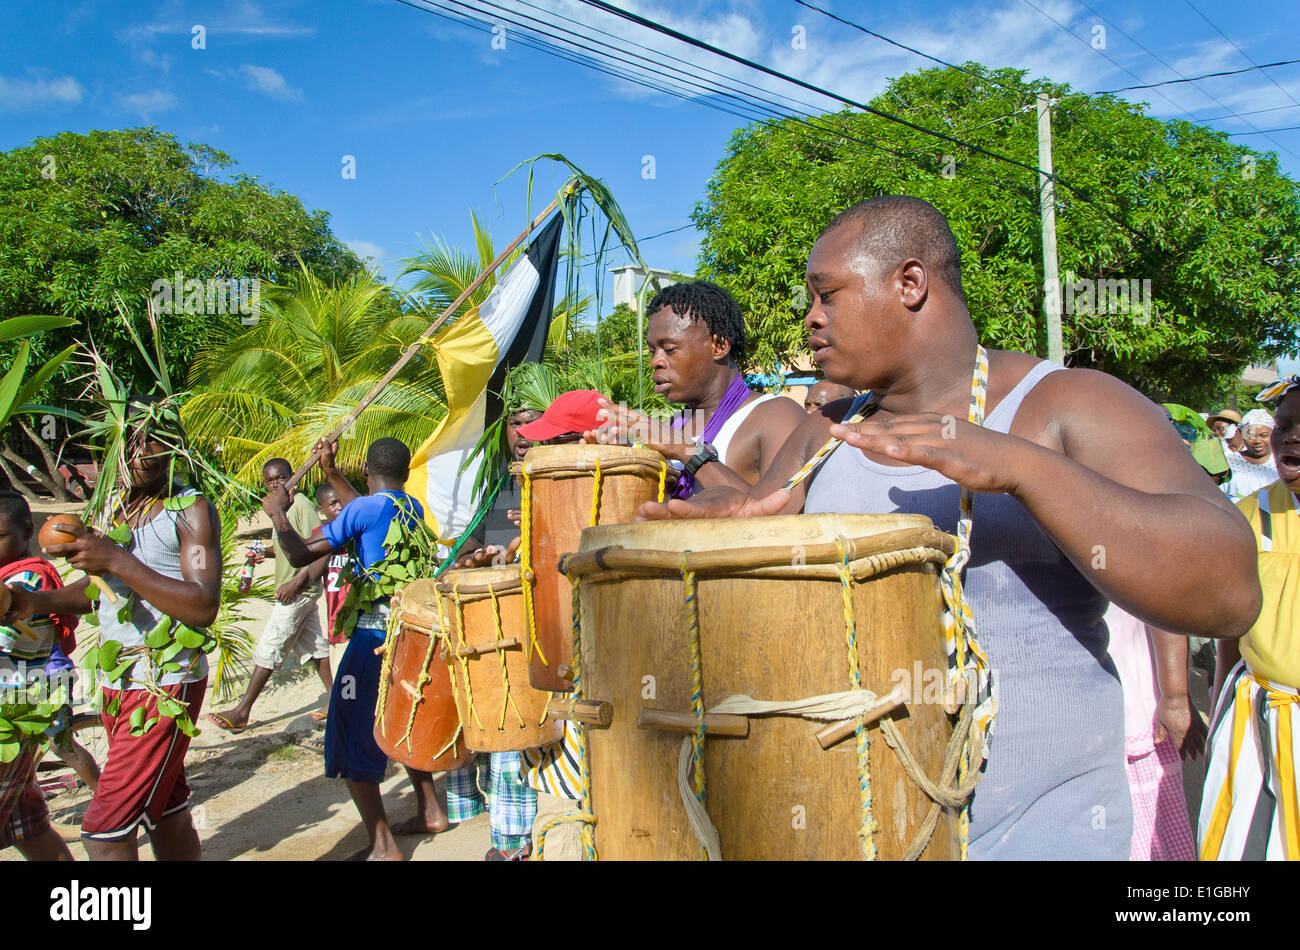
{"x":628,"y":280}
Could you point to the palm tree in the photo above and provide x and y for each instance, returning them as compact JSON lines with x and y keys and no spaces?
{"x":316,"y":350}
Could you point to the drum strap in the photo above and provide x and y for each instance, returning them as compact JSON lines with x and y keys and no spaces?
{"x":964,"y":653}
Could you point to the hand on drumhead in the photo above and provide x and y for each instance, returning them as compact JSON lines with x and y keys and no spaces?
{"x":623,"y":426}
{"x":719,"y":502}
{"x":491,"y":556}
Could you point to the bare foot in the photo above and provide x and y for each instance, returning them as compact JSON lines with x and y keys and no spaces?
{"x":369,"y":854}
{"x":419,"y":825}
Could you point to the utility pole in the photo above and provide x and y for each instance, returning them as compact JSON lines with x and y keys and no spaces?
{"x":1047,"y":203}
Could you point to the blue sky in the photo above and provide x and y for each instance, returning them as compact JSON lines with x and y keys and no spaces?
{"x":434,"y":114}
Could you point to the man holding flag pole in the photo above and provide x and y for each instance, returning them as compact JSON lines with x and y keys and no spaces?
{"x":509,"y":327}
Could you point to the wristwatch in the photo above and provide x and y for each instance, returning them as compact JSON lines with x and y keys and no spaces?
{"x":704,"y":454}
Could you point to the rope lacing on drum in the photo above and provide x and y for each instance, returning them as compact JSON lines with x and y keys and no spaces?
{"x":463,"y":660}
{"x":584,"y":814}
{"x":691,"y":603}
{"x":507,"y":698}
{"x":867,"y":829}
{"x":964,"y":746}
{"x":526,"y":563}
{"x":445,"y":629}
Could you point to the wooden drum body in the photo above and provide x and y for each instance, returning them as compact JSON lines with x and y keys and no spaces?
{"x":416,"y":721}
{"x":560,"y":484}
{"x":500,"y":711}
{"x":772,"y":626}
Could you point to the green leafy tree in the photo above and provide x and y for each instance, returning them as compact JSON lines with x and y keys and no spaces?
{"x":85,"y":218}
{"x":1213,"y":225}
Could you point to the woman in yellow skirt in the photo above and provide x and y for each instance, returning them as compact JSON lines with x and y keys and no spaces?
{"x":1249,"y":807}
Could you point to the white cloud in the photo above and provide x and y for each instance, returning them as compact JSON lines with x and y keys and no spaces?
{"x":247,"y":20}
{"x":17,"y":95}
{"x":267,"y":81}
{"x":374,"y":256}
{"x":146,"y":104}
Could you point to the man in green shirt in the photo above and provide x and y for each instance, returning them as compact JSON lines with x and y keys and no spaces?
{"x":294,"y":625}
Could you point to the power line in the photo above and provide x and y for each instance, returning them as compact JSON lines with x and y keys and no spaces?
{"x":1104,"y":54}
{"x":820,"y":131}
{"x":1172,"y":82}
{"x":944,"y":62}
{"x":485,"y":26}
{"x":1173,"y":70}
{"x":1285,"y":128}
{"x":701,"y":44}
{"x":1238,"y":115}
{"x":1239,"y":49}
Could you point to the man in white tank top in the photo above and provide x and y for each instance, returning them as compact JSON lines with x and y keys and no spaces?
{"x":696,"y":338}
{"x":888,"y":315}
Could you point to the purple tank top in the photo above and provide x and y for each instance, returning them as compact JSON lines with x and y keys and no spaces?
{"x":1055,"y":786}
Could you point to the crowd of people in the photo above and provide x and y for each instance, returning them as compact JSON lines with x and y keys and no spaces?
{"x":1086,"y":575}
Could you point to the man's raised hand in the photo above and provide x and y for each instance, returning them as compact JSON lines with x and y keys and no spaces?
{"x":974,"y":457}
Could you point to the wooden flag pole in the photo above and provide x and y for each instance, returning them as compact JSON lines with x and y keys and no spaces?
{"x":569,"y":190}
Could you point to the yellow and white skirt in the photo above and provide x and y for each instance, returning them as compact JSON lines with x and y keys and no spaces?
{"x":1248,"y":806}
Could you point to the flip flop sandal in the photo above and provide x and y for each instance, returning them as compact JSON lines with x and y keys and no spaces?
{"x":225,"y":723}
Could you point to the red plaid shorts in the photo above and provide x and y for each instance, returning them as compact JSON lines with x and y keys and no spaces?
{"x":23,"y":813}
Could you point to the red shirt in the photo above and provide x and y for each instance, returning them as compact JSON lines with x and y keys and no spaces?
{"x":338,"y":576}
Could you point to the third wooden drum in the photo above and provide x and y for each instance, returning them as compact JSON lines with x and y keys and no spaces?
{"x":567,"y":488}
{"x":416,"y":721}
{"x":678,"y":616}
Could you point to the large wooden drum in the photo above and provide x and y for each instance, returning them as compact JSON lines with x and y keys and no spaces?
{"x":568,"y":488}
{"x":769,"y":598}
{"x":416,"y":721}
{"x":487,"y":633}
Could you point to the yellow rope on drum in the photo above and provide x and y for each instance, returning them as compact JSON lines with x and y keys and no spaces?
{"x":584,"y":816}
{"x":867,"y":830}
{"x":595,"y":497}
{"x":663,"y":477}
{"x":526,"y":563}
{"x":451,"y":670}
{"x":464,"y":660}
{"x":507,"y":699}
{"x":421,"y":681}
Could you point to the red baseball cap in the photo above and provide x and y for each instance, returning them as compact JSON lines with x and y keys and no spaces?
{"x":571,"y":412}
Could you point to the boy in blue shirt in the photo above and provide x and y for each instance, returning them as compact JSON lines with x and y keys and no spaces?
{"x":351,"y":752}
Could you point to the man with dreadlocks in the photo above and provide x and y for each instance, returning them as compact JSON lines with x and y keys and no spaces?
{"x":727,"y":434}
{"x":170,"y":567}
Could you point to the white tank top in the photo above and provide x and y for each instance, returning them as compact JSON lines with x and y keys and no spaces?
{"x":722,"y":441}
